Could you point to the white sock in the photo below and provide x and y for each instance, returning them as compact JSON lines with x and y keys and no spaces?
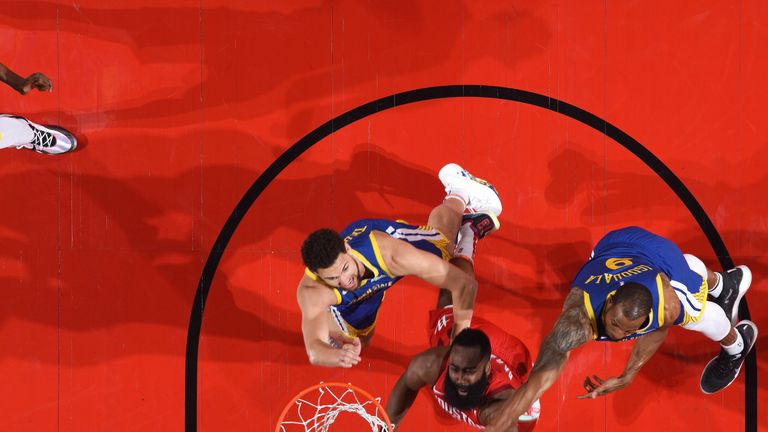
{"x":736,"y":347}
{"x":465,"y":246}
{"x":458,"y":194}
{"x":14,"y":132}
{"x":716,"y":290}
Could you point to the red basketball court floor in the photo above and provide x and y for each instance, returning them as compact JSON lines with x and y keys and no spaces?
{"x":181,"y":106}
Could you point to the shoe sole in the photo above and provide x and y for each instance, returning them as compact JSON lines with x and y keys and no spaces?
{"x":754,"y":339}
{"x":746,"y":281}
{"x":496,"y":222}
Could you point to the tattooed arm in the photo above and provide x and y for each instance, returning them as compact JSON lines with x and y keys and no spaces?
{"x":571,"y":330}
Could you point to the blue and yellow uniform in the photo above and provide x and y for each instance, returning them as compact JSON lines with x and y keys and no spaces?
{"x":355,"y":311}
{"x":633,"y":254}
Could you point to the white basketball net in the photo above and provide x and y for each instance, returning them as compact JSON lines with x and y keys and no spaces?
{"x":319,"y":416}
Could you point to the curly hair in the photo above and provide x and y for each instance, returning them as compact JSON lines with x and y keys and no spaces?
{"x":321,"y":248}
{"x":470,"y":337}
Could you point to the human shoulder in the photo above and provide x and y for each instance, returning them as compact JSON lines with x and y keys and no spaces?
{"x":383,"y":238}
{"x":426,"y":365}
{"x":312,"y":294}
{"x":574,"y":326}
{"x":397,"y":254}
{"x":574,"y":300}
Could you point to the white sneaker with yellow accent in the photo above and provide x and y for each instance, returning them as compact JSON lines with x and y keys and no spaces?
{"x":49,"y":139}
{"x":481,"y":195}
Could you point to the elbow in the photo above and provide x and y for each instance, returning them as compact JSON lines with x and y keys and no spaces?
{"x":314,"y":358}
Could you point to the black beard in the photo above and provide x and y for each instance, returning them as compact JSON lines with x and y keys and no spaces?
{"x":474,"y":397}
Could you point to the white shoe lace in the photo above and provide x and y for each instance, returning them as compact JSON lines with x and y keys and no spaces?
{"x":42,"y":139}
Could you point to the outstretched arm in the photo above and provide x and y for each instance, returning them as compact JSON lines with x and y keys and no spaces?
{"x":322,"y":350}
{"x":571,"y":330}
{"x":643,"y":350}
{"x":404,"y":259}
{"x":423,"y":370}
{"x":23,"y":85}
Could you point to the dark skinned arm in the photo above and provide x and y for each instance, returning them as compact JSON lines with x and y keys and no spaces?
{"x":23,"y":85}
{"x":423,"y":370}
{"x":644,"y":348}
{"x":571,"y":330}
{"x":488,"y":412}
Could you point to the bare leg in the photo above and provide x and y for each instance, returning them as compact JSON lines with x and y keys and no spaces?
{"x":446,"y":217}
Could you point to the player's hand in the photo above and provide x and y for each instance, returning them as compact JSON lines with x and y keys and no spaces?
{"x":597,"y":387}
{"x":349,"y":354}
{"x":37,"y":81}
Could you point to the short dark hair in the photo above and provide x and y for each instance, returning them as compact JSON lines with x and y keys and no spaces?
{"x":634,"y":299}
{"x":470,"y":338}
{"x":321,"y":248}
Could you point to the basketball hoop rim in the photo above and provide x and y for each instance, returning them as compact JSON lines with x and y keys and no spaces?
{"x":355,"y":388}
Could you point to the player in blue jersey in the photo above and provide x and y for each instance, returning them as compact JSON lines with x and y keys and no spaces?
{"x":637,"y":285}
{"x":348,"y":273}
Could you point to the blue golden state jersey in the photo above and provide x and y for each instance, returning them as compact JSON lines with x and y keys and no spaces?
{"x":633,"y":254}
{"x":603,"y":275}
{"x":355,"y":311}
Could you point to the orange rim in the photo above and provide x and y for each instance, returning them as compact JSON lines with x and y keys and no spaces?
{"x":355,"y":388}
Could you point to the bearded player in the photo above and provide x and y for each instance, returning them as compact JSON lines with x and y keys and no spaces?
{"x":469,"y":377}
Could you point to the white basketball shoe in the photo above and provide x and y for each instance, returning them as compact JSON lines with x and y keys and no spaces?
{"x":49,"y":139}
{"x":481,"y":196}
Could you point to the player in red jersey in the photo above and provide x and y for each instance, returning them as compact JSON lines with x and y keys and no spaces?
{"x":469,"y":376}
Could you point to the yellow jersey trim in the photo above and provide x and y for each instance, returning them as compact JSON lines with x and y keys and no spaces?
{"x":660,"y":286}
{"x":318,"y":279}
{"x":365,"y":262}
{"x":311,"y":275}
{"x":701,"y":296}
{"x":703,"y":293}
{"x":590,"y":314}
{"x":377,"y":253}
{"x":650,"y":322}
